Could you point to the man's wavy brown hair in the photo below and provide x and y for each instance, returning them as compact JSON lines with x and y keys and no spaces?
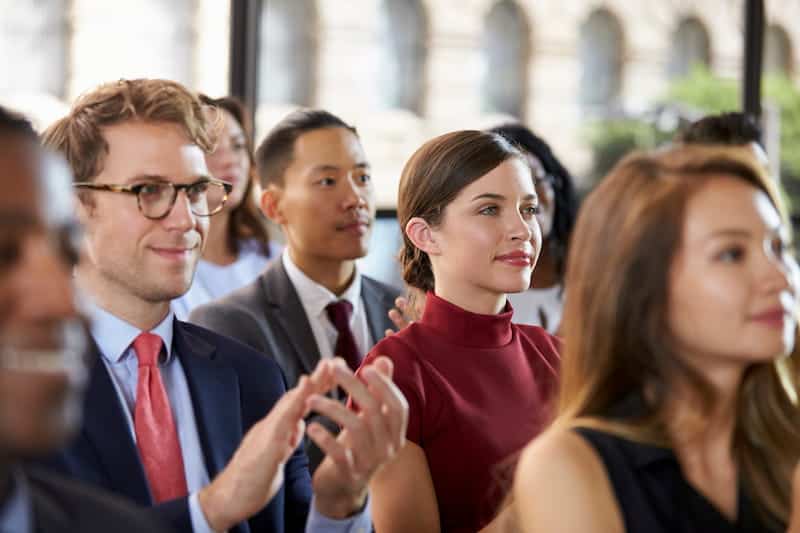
{"x":79,"y":135}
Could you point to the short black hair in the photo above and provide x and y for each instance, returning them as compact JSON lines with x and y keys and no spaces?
{"x":566,"y":198}
{"x":277,"y":149}
{"x":15,"y":123}
{"x":732,"y":128}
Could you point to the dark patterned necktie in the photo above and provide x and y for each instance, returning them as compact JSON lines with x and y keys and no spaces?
{"x":339,"y":314}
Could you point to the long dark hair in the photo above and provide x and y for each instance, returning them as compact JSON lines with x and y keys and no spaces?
{"x":566,"y":200}
{"x":247,"y":222}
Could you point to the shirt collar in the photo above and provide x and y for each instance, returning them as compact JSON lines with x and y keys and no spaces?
{"x":114,"y":336}
{"x":16,"y":513}
{"x":314,"y":296}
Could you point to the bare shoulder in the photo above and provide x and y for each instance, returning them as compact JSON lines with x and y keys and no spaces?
{"x":561,"y":485}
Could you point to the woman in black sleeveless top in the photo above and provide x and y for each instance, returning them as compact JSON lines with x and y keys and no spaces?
{"x":677,"y":410}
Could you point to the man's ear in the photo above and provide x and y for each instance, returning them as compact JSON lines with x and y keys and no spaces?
{"x":422,"y":235}
{"x":270,"y":204}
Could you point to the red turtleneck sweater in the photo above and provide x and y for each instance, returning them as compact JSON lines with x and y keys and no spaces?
{"x":478,"y":389}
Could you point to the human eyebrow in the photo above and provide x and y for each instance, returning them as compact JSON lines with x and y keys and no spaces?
{"x":500,"y":197}
{"x":488,"y":196}
{"x":730,"y":233}
{"x":157,"y":178}
{"x":325,"y":168}
{"x":148,"y":178}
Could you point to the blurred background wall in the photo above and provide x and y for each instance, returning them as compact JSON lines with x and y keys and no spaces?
{"x":594,"y":77}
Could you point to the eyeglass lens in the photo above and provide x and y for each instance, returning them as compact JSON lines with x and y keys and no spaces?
{"x":205,"y":198}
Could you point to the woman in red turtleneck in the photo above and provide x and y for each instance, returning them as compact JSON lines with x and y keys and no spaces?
{"x":478,"y":386}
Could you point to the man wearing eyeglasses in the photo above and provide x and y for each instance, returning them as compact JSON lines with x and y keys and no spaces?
{"x":175,"y":414}
{"x":42,"y":342}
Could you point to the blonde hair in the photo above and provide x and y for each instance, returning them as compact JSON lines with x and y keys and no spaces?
{"x":78,"y":136}
{"x":618,"y":342}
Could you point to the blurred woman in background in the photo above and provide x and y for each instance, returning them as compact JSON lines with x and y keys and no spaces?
{"x":238,"y":247}
{"x":678,"y":408}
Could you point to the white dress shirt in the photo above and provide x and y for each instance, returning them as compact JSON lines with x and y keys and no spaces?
{"x":314,"y":298}
{"x":539,"y":307}
{"x":212,"y":281}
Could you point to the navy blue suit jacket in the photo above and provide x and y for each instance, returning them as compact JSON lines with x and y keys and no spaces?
{"x":232,"y":387}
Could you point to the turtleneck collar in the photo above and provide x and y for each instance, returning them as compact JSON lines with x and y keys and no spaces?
{"x":466,"y":328}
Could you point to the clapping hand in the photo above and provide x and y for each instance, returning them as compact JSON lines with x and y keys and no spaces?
{"x":255,"y":472}
{"x":369,"y":438}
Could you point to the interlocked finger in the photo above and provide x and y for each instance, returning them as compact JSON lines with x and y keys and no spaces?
{"x":334,"y":448}
{"x":391,"y":416}
{"x":352,"y":385}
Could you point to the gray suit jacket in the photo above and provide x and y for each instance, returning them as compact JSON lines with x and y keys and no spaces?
{"x":268,"y":316}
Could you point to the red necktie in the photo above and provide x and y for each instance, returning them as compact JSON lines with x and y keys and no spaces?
{"x":156,"y":435}
{"x":339,"y":315}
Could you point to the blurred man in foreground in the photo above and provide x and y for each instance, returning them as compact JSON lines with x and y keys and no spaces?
{"x":42,"y":345}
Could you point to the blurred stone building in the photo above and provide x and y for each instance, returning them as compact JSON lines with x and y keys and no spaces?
{"x":400,"y":70}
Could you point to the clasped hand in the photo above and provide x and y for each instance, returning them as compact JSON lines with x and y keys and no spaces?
{"x":368,"y":439}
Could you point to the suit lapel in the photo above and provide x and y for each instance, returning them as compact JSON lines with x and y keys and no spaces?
{"x":376,"y":306}
{"x":105,"y":426}
{"x":214,"y":389}
{"x":280,"y":295}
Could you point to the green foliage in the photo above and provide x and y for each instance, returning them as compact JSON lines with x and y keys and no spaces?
{"x":706,"y":93}
{"x":611,"y":139}
{"x":780,"y":91}
{"x":710,"y":94}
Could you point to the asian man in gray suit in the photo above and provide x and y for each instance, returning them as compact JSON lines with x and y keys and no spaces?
{"x":312,"y":303}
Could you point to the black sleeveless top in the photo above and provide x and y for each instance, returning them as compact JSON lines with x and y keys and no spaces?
{"x":654,"y":497}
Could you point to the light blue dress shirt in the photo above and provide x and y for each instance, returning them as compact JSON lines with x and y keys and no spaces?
{"x":16,"y":513}
{"x":115,"y":337}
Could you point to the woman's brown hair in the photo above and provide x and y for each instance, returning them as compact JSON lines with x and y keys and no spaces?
{"x":247,"y":222}
{"x":433,"y":177}
{"x":618,"y":343}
